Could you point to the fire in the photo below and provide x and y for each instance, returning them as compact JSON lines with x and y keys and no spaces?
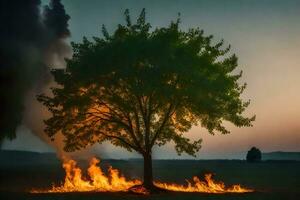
{"x":207,"y":186}
{"x":98,"y":181}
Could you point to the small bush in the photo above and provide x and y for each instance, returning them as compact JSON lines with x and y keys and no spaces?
{"x":254,"y":155}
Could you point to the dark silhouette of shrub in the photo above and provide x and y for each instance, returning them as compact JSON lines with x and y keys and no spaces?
{"x":254,"y":155}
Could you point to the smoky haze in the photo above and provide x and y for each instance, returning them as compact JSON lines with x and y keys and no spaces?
{"x":33,"y":39}
{"x":265,"y":35}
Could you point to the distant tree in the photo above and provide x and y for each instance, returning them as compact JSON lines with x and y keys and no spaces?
{"x":254,"y":155}
{"x":138,"y":88}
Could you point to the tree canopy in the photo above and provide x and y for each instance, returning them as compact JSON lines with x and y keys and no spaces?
{"x":253,"y":155}
{"x":139,"y":87}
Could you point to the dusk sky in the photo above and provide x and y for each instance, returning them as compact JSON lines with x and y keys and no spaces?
{"x":265,"y":35}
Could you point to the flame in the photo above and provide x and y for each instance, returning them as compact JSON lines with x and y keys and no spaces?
{"x":207,"y":186}
{"x":114,"y":182}
{"x":74,"y":182}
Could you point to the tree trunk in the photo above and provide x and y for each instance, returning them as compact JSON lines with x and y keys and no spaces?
{"x":148,"y":176}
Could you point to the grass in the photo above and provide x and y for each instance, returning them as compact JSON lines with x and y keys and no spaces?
{"x":271,"y":180}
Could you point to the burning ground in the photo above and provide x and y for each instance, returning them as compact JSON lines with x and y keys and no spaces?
{"x":115,"y":182}
{"x":271,"y":180}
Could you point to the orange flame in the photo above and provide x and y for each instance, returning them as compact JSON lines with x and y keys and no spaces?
{"x":74,"y":182}
{"x":207,"y":186}
{"x":114,"y":182}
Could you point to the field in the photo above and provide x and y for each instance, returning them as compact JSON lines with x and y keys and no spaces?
{"x":270,"y":179}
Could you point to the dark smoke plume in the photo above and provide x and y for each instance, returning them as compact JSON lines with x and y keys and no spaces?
{"x":32,"y":39}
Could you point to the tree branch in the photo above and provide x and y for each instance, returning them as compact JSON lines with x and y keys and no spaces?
{"x":121,"y":140}
{"x":117,"y":119}
{"x":167,"y":116}
{"x":133,"y":135}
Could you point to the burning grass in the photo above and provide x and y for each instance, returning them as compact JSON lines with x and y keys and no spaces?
{"x":98,"y":181}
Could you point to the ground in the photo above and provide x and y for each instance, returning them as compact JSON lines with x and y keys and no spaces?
{"x":270,"y":179}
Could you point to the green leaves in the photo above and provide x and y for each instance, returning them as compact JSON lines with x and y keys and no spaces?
{"x":137,"y":88}
{"x":183,"y":144}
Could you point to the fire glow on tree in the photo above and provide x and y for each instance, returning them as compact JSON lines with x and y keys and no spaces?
{"x":139,"y":87}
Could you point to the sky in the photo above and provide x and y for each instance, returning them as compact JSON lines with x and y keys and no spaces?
{"x":264,"y":34}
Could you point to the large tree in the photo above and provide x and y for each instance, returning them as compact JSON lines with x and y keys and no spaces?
{"x":139,"y":87}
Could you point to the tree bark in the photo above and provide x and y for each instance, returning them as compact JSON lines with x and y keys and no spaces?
{"x":148,"y":175}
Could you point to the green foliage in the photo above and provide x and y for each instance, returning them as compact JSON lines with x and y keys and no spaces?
{"x":138,"y":87}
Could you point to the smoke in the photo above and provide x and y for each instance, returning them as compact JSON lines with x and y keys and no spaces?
{"x":32,"y":41}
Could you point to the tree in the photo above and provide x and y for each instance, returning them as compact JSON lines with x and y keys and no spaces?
{"x":137,"y":88}
{"x":254,"y":155}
